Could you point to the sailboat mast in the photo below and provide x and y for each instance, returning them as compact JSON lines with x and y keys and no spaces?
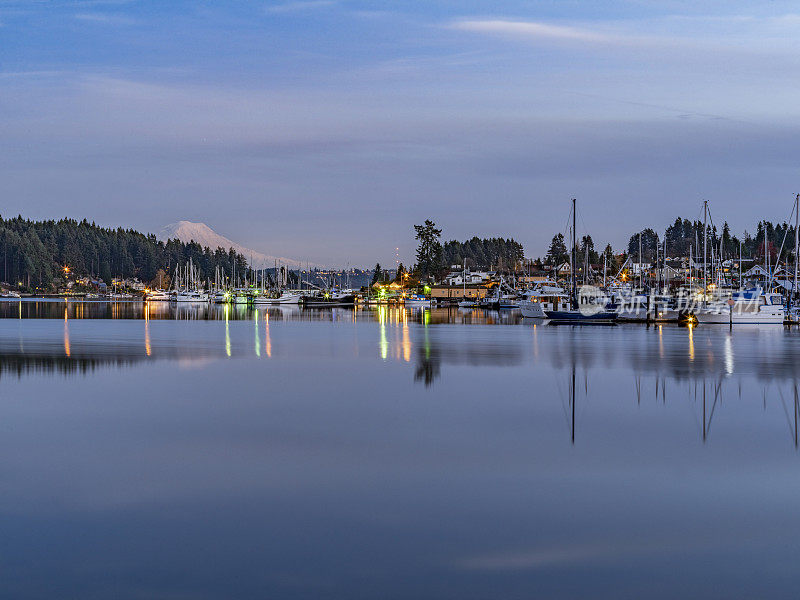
{"x":796,"y":222}
{"x":740,"y":265}
{"x":641,"y":275}
{"x":705,"y":249}
{"x":574,"y":283}
{"x":657,"y":278}
{"x":585,"y":263}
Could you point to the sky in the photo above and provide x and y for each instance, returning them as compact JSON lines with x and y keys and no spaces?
{"x":323,"y":130}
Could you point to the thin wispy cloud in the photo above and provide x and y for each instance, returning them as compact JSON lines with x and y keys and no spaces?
{"x":736,"y":32}
{"x":105,"y":18}
{"x":299,"y":6}
{"x":534,"y":30}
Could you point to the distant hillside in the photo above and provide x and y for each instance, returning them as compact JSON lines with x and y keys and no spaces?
{"x":187,"y":231}
{"x":37,"y":253}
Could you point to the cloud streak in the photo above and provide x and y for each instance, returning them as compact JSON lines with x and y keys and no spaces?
{"x":299,"y":6}
{"x":742,"y":33}
{"x":104,"y":18}
{"x":535,"y":30}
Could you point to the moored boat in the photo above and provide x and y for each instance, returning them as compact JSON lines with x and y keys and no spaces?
{"x":753,"y":306}
{"x":329,"y":299}
{"x":547,"y":295}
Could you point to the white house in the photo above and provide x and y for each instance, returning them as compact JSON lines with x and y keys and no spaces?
{"x":759,"y":272}
{"x":470,"y":277}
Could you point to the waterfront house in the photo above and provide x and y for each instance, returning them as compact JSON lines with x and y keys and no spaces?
{"x":457,"y":292}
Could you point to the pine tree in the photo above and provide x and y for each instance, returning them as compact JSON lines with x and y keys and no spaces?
{"x":557,"y":252}
{"x":429,"y":251}
{"x":377,"y":274}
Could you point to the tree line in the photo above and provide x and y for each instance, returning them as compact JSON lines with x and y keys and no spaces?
{"x":34,"y":253}
{"x":497,"y":253}
{"x":683,"y":237}
{"x":435,"y":258}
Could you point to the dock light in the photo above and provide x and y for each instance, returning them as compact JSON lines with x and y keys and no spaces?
{"x":66,"y":269}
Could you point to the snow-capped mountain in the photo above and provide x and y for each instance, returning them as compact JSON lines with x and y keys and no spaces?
{"x":187,"y":231}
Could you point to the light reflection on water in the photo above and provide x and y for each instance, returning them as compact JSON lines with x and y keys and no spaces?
{"x":237,"y":452}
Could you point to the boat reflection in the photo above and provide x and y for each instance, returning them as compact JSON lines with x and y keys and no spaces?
{"x":699,"y":368}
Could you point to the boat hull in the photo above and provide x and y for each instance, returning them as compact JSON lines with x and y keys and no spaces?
{"x":285,"y":299}
{"x":532,"y":310}
{"x":317,"y":302}
{"x":579,"y":318}
{"x":725,"y":318}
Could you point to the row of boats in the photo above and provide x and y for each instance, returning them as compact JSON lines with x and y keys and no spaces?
{"x":711,"y":304}
{"x":257,"y":296}
{"x":595,"y":305}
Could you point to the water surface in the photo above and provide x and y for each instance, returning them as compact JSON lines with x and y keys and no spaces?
{"x":213,"y":452}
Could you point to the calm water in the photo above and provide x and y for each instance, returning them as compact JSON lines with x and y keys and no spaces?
{"x":232,"y":453}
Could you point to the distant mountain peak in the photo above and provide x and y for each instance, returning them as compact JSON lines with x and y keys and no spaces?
{"x":188,"y":231}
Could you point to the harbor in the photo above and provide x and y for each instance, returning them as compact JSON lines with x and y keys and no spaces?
{"x":335,"y":299}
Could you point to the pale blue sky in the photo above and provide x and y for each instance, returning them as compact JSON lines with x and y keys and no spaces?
{"x":323,"y":130}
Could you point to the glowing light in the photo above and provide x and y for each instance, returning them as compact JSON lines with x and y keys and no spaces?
{"x":406,"y":342}
{"x":147,"y":348}
{"x":267,"y":339}
{"x":384,"y":343}
{"x":67,"y":350}
{"x":227,"y":332}
{"x":728,"y":353}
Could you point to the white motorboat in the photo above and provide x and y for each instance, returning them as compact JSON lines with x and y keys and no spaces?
{"x":189,"y":296}
{"x":547,"y":295}
{"x":753,"y":306}
{"x":156,"y":296}
{"x":285,"y":298}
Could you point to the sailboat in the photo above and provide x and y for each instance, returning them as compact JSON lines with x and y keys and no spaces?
{"x":187,"y":285}
{"x":577,"y":314}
